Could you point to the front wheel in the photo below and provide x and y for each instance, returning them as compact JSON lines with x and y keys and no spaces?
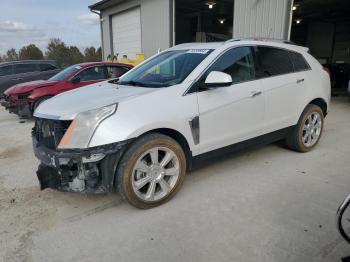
{"x":151,"y":171}
{"x":308,"y":131}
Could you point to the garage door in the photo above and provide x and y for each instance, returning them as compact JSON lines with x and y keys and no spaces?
{"x":126,"y":28}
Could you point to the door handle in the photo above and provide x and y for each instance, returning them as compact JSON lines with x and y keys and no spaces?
{"x":255,"y":94}
{"x":16,"y":79}
{"x":300,"y":80}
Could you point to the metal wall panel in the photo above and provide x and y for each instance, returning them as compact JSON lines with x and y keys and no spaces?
{"x":155,"y":25}
{"x":262,"y":18}
{"x":126,"y":31}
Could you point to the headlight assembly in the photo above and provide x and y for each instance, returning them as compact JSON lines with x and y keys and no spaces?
{"x":81,"y":130}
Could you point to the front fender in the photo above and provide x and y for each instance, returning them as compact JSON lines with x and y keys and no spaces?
{"x":39,"y":93}
{"x":109,"y":132}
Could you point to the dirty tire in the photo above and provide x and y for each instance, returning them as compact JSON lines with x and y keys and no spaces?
{"x":295,"y":139}
{"x":126,"y":173}
{"x":37,"y":103}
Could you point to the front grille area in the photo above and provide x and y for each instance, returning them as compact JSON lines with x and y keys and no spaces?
{"x":5,"y":97}
{"x":22,"y":96}
{"x":49,"y":132}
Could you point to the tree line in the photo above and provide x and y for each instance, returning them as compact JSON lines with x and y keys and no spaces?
{"x":56,"y":50}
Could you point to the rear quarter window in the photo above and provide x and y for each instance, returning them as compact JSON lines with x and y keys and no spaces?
{"x":298,"y":61}
{"x":273,"y":61}
{"x":46,"y":67}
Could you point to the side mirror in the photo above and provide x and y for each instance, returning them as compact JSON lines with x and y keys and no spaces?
{"x":218,"y":79}
{"x":75,"y":80}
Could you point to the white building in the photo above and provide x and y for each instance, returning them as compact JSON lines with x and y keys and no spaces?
{"x":145,"y":26}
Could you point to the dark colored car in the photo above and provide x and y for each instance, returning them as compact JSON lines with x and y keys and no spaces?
{"x":12,"y":73}
{"x":24,"y":98}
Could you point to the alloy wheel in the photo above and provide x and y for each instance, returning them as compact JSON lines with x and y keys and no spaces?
{"x":155,"y":174}
{"x":312,"y":129}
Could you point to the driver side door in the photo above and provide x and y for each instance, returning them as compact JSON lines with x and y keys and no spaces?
{"x":87,"y":76}
{"x":234,"y":113}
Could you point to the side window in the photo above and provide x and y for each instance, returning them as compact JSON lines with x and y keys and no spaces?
{"x":25,"y":68}
{"x":115,"y":71}
{"x":237,"y":62}
{"x":299,"y":62}
{"x":6,"y":70}
{"x":92,"y":73}
{"x":273,"y":61}
{"x":47,"y":67}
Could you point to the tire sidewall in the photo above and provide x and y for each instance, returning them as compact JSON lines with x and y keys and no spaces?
{"x":308,"y":110}
{"x":125,"y":170}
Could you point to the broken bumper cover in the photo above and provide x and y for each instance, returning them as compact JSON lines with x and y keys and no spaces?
{"x":19,"y":107}
{"x":5,"y":103}
{"x":79,"y":170}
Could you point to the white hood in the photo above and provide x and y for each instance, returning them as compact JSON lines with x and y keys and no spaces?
{"x":67,"y":105}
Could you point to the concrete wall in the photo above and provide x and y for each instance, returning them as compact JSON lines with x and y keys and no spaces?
{"x":262,"y":18}
{"x":156,"y":29}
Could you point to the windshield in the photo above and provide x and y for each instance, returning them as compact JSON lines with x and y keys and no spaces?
{"x":167,"y":69}
{"x":65,"y":73}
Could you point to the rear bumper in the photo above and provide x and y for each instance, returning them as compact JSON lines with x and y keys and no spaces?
{"x":79,"y":170}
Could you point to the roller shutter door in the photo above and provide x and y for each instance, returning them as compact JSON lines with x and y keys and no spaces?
{"x":126,"y":30}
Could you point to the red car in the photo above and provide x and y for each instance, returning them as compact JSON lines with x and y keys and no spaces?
{"x":24,"y":98}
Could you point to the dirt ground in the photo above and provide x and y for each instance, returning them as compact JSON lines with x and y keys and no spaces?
{"x":264,"y":204}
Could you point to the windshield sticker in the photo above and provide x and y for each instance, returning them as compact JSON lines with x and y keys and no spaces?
{"x":78,"y":67}
{"x":198,"y":51}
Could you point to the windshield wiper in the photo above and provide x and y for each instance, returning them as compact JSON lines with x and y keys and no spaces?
{"x":132,"y":83}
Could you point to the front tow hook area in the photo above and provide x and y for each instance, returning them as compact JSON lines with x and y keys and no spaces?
{"x":48,"y":177}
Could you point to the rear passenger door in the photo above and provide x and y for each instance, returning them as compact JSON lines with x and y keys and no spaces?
{"x":283,"y":87}
{"x":25,"y":72}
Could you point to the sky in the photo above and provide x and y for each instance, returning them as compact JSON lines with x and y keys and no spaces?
{"x":24,"y":22}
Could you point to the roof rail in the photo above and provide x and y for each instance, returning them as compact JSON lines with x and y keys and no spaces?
{"x":262,"y":39}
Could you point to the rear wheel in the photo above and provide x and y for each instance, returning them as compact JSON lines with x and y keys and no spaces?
{"x":308,"y":131}
{"x":151,"y":171}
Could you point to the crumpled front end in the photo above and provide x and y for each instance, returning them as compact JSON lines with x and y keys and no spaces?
{"x":88,"y":170}
{"x":17,"y":104}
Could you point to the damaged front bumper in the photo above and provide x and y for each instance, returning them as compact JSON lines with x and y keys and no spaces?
{"x":79,"y":170}
{"x":20,"y":107}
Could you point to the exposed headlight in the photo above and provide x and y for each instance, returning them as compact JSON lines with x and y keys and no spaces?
{"x":81,"y":130}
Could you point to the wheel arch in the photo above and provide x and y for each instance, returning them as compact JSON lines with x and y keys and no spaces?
{"x":178,"y":137}
{"x":39,"y":100}
{"x":172,"y":133}
{"x":321,"y":103}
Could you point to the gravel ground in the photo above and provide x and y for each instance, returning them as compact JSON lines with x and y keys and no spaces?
{"x":266,"y":204}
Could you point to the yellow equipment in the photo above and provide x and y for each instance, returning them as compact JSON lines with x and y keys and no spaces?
{"x":134,"y":62}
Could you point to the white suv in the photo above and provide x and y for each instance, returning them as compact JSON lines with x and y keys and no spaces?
{"x":140,"y":134}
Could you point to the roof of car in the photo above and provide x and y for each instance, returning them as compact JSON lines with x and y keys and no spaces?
{"x":87,"y":64}
{"x":209,"y":45}
{"x":252,"y":41}
{"x":28,"y":61}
